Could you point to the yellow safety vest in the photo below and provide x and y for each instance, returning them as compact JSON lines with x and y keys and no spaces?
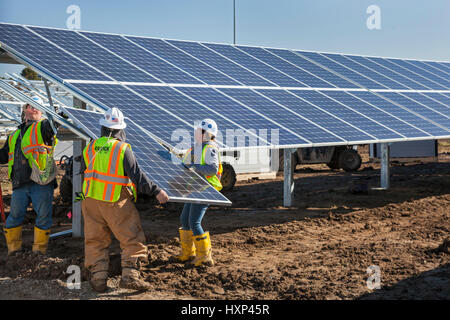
{"x":104,"y":176}
{"x":214,"y":180}
{"x":33,"y":147}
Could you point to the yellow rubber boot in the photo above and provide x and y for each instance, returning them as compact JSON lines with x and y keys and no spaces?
{"x":187,"y":246}
{"x":41,"y":240}
{"x":203,"y":247}
{"x":13,"y":239}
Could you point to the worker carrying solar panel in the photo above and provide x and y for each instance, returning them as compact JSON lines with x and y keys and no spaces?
{"x":111,"y":170}
{"x":204,"y":158}
{"x":29,"y":152}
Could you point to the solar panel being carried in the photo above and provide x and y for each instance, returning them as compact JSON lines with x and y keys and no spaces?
{"x":161,"y":167}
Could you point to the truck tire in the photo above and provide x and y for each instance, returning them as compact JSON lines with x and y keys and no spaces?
{"x":349,"y":160}
{"x":294,"y":161}
{"x":333,"y":164}
{"x":228,"y":178}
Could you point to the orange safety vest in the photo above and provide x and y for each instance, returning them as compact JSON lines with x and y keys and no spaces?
{"x":104,"y":176}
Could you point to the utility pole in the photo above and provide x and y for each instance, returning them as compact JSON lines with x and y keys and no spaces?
{"x":234,"y":22}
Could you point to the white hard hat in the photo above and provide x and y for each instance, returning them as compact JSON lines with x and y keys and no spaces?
{"x":113,"y":119}
{"x":209,"y":126}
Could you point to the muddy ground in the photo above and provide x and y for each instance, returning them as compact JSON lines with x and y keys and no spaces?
{"x":320,"y":248}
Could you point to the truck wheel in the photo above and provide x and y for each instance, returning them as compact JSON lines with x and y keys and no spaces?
{"x":349,"y":160}
{"x":333,"y":164}
{"x":294,"y":161}
{"x":228,"y":178}
{"x":65,"y":189}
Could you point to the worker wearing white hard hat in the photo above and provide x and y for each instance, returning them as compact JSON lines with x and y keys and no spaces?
{"x":195,"y":242}
{"x":112,"y":178}
{"x":28,"y":151}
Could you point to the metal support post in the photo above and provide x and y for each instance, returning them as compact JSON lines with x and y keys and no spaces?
{"x":77,"y":183}
{"x":384,"y":174}
{"x":288,"y":178}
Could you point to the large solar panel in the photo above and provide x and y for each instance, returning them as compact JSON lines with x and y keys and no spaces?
{"x":377,"y":114}
{"x":282,"y":98}
{"x":424,"y":66}
{"x":367,"y":72}
{"x":142,"y":58}
{"x":290,"y":69}
{"x":402,"y":113}
{"x":421,"y":82}
{"x":45,"y":55}
{"x":422,"y":70}
{"x":375,"y":64}
{"x":262,"y":68}
{"x":343,"y":70}
{"x":184,"y":61}
{"x":237,"y":72}
{"x":318,"y":71}
{"x":159,"y":165}
{"x":250,"y":120}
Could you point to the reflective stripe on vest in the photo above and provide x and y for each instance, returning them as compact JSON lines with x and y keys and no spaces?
{"x":32,"y":145}
{"x":105,"y":186}
{"x":215,"y":179}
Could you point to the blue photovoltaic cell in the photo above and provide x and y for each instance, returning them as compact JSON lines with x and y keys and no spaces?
{"x":438,"y":82}
{"x":421,"y":82}
{"x":142,"y":58}
{"x":177,"y":103}
{"x":430,"y":69}
{"x":378,"y":115}
{"x":346,"y":114}
{"x":240,"y":114}
{"x":46,"y":55}
{"x":256,"y":66}
{"x":226,"y":66}
{"x":317,"y":71}
{"x":96,"y":56}
{"x":369,"y":73}
{"x":418,"y":108}
{"x":280,"y":115}
{"x":158,"y":164}
{"x":342,"y":70}
{"x":401,"y":113}
{"x":140,"y":110}
{"x":369,"y":62}
{"x":182,"y":60}
{"x":441,"y":97}
{"x":319,"y":117}
{"x":437,"y":106}
{"x":286,"y":67}
{"x":439,"y":66}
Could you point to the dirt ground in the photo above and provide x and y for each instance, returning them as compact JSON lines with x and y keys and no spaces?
{"x":320,"y":248}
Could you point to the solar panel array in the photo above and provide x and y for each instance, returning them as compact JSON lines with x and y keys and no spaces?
{"x":160,"y":166}
{"x":284,"y":98}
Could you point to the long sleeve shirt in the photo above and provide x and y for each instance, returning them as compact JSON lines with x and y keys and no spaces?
{"x":131,"y":168}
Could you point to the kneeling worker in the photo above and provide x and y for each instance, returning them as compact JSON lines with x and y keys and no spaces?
{"x":111,"y":169}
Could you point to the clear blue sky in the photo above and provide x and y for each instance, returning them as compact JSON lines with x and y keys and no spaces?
{"x":409,"y":29}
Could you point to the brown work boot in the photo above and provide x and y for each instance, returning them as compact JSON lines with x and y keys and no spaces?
{"x":131,"y":279}
{"x":98,"y":281}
